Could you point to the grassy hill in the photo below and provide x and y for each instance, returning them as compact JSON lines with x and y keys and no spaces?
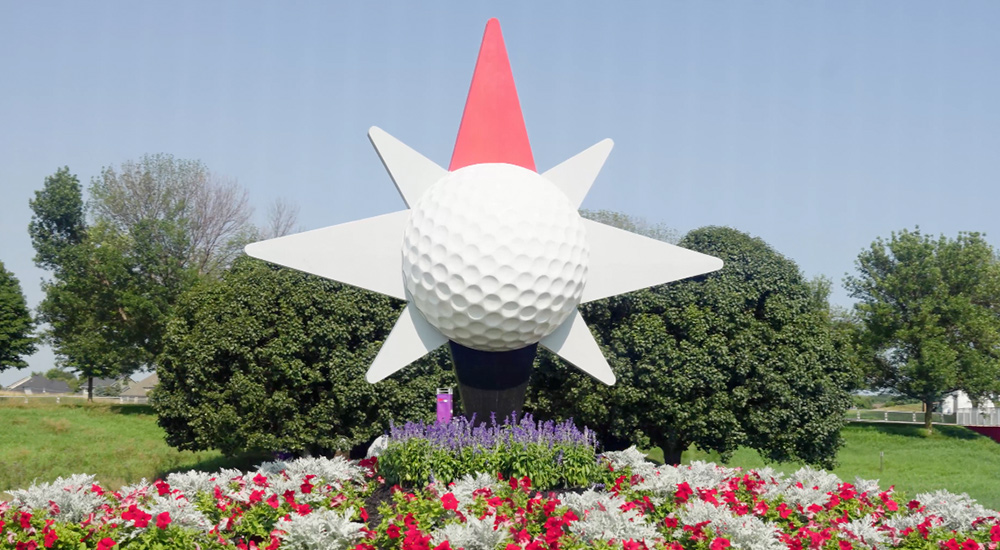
{"x":121,"y":444}
{"x":952,"y":458}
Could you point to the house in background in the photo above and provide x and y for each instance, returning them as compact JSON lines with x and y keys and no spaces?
{"x":39,"y":385}
{"x":138,"y":391}
{"x":106,"y":387}
{"x":959,"y":401}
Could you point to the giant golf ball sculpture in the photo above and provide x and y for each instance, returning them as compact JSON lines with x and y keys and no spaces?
{"x":491,"y":256}
{"x":495,"y":257}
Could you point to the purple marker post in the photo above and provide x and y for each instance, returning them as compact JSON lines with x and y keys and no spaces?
{"x":444,"y":405}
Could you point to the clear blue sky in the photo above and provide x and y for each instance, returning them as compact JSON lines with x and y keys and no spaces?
{"x":817,"y":126}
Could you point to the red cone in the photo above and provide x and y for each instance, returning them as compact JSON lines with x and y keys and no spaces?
{"x":492,"y":127}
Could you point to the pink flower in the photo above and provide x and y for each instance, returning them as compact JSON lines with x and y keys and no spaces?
{"x":106,"y":544}
{"x":719,"y":544}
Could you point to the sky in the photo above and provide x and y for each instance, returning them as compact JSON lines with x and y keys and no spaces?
{"x":816,"y":126}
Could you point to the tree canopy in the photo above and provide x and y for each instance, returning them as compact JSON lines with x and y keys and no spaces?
{"x":930,"y":312}
{"x":269,"y":358}
{"x":16,"y":324}
{"x":745,"y":356}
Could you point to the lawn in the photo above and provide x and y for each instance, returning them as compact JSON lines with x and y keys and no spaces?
{"x":121,"y":444}
{"x":952,"y":458}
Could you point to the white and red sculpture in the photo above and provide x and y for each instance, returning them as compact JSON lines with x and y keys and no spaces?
{"x":489,"y":254}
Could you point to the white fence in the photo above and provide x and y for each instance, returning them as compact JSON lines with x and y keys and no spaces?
{"x":978,"y":417}
{"x":962,"y":417}
{"x":11,"y":396}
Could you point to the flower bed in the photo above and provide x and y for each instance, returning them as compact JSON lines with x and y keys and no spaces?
{"x":552,"y":454}
{"x":338,"y":504}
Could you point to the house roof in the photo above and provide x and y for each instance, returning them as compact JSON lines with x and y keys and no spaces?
{"x":142,"y":387}
{"x":20,"y":382}
{"x":40,"y":384}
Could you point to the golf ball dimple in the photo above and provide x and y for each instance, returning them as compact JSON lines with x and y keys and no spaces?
{"x":495,"y":256}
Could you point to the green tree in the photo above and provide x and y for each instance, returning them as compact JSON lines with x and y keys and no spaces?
{"x":60,"y":374}
{"x":213,"y":212}
{"x":16,"y":324}
{"x":744,"y":356}
{"x":930,"y":310}
{"x":269,"y":358}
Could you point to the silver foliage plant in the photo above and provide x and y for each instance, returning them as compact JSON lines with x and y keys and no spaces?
{"x":72,"y":496}
{"x":323,"y":529}
{"x":744,"y":532}
{"x":474,"y":534}
{"x":601,"y":518}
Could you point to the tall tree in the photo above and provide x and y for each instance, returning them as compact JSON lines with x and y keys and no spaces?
{"x":214,"y":212}
{"x":744,"y":356}
{"x":58,"y":223}
{"x":930,"y":311}
{"x":16,"y":324}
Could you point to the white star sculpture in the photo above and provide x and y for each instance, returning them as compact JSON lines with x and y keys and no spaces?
{"x":489,"y":253}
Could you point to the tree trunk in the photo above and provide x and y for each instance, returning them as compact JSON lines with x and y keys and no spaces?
{"x":672,"y":451}
{"x":90,"y":389}
{"x":928,"y":416}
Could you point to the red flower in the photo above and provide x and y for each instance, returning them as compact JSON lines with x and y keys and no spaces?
{"x":392,"y":532}
{"x":844,"y":545}
{"x":163,"y":520}
{"x":632,"y":545}
{"x":272,"y":501}
{"x":105,"y":543}
{"x":683,"y":492}
{"x":50,"y":537}
{"x":364,"y":515}
{"x":260,"y":479}
{"x":994,"y":533}
{"x":950,"y":544}
{"x":669,"y":522}
{"x":760,"y":508}
{"x":719,"y":544}
{"x":970,"y":544}
{"x":449,"y":501}
{"x":95,"y":488}
{"x":511,"y":546}
{"x":162,"y":487}
{"x":443,"y":546}
{"x":137,"y":516}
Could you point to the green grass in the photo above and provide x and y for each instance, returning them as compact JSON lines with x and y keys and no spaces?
{"x":120,"y":444}
{"x":952,"y":458}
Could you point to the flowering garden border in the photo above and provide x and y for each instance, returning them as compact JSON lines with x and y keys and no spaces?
{"x":314,"y":503}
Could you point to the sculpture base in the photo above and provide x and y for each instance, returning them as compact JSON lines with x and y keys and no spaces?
{"x":492,"y":381}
